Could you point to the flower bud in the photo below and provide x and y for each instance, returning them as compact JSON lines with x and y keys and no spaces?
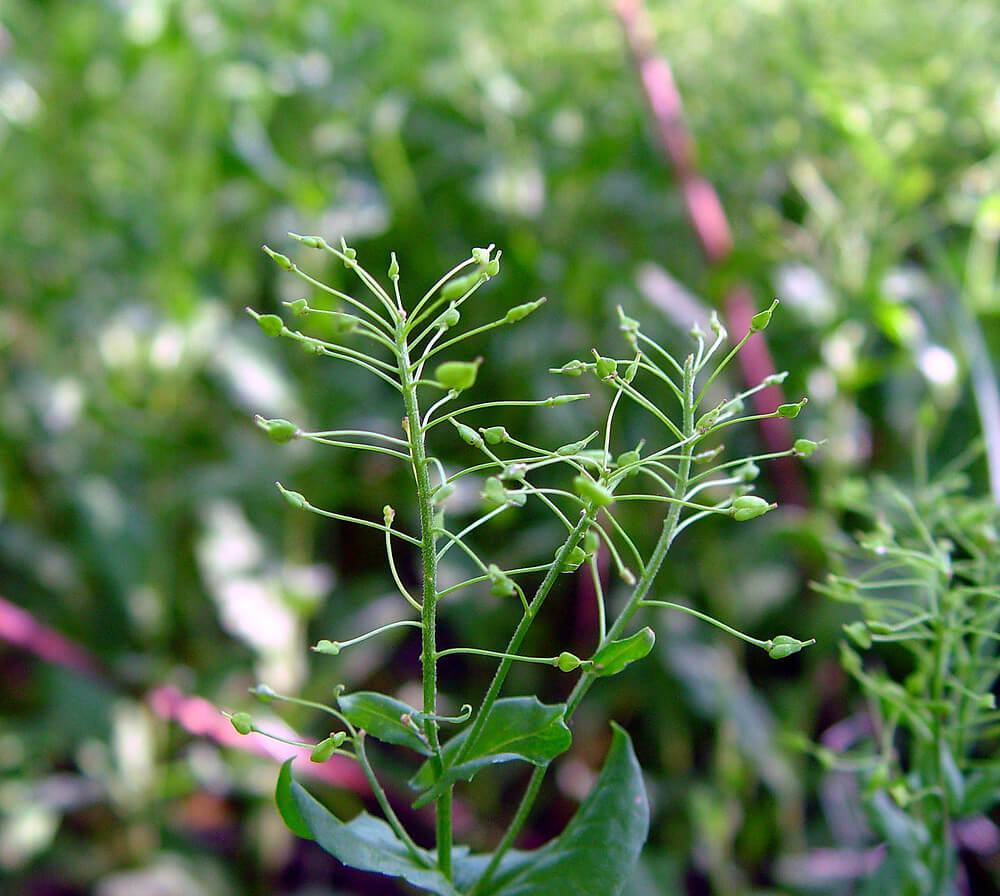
{"x":313,"y":242}
{"x":567,"y":661}
{"x":591,"y":542}
{"x":388,"y":514}
{"x":278,"y":430}
{"x":457,"y":376}
{"x":349,"y":253}
{"x":748,"y":472}
{"x":482,"y":256}
{"x":748,"y":507}
{"x":805,"y":447}
{"x":271,"y":324}
{"x":516,"y":472}
{"x":393,"y":266}
{"x":492,"y":267}
{"x":520,"y":312}
{"x":494,"y":435}
{"x":592,"y":491}
{"x":300,"y":307}
{"x":775,"y":379}
{"x":242,"y":722}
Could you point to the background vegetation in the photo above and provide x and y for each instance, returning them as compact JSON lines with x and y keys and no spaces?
{"x":147,"y":148}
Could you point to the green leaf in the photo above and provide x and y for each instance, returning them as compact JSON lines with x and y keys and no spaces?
{"x":383,"y":717}
{"x":517,"y":728}
{"x":614,"y":657}
{"x":286,"y":802}
{"x":594,"y":855}
{"x":369,"y":844}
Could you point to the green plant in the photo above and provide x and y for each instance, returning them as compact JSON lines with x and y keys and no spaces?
{"x":579,"y":483}
{"x":927,"y":588}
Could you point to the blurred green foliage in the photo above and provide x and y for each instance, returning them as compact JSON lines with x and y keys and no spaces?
{"x":148,"y":147}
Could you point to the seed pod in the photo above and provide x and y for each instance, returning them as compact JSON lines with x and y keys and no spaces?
{"x":502,"y":584}
{"x":572,"y":368}
{"x":300,"y":307}
{"x":572,"y":448}
{"x":342,"y":324}
{"x":457,"y":376}
{"x":493,"y":492}
{"x":592,"y":491}
{"x":630,"y":460}
{"x":271,"y":324}
{"x":573,"y":560}
{"x":278,"y":430}
{"x":444,"y":492}
{"x":494,"y":435}
{"x":762,"y":318}
{"x":785,"y":645}
{"x":324,"y":749}
{"x":516,"y":472}
{"x":789,"y":410}
{"x":448,"y":319}
{"x":748,"y":507}
{"x":520,"y":312}
{"x":567,"y":661}
{"x":455,"y":289}
{"x":591,"y":542}
{"x":492,"y":268}
{"x":242,"y":722}
{"x":296,"y":499}
{"x":805,"y":447}
{"x":605,"y":367}
{"x":468,"y":434}
{"x":281,"y":260}
{"x":330,"y":648}
{"x":264,"y":693}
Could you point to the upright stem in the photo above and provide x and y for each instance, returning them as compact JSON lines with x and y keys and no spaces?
{"x":428,"y":610}
{"x":670,"y":526}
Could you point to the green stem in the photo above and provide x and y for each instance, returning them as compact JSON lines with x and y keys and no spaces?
{"x":428,"y":551}
{"x":670,"y":527}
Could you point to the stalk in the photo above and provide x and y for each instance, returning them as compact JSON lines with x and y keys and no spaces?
{"x":669,"y":531}
{"x":428,"y":610}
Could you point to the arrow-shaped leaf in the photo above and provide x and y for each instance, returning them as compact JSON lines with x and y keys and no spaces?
{"x":517,"y":728}
{"x":384,"y":718}
{"x":594,"y":855}
{"x":614,"y":657}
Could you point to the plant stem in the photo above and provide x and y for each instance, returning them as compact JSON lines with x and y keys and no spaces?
{"x":635,"y":602}
{"x":428,"y":552}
